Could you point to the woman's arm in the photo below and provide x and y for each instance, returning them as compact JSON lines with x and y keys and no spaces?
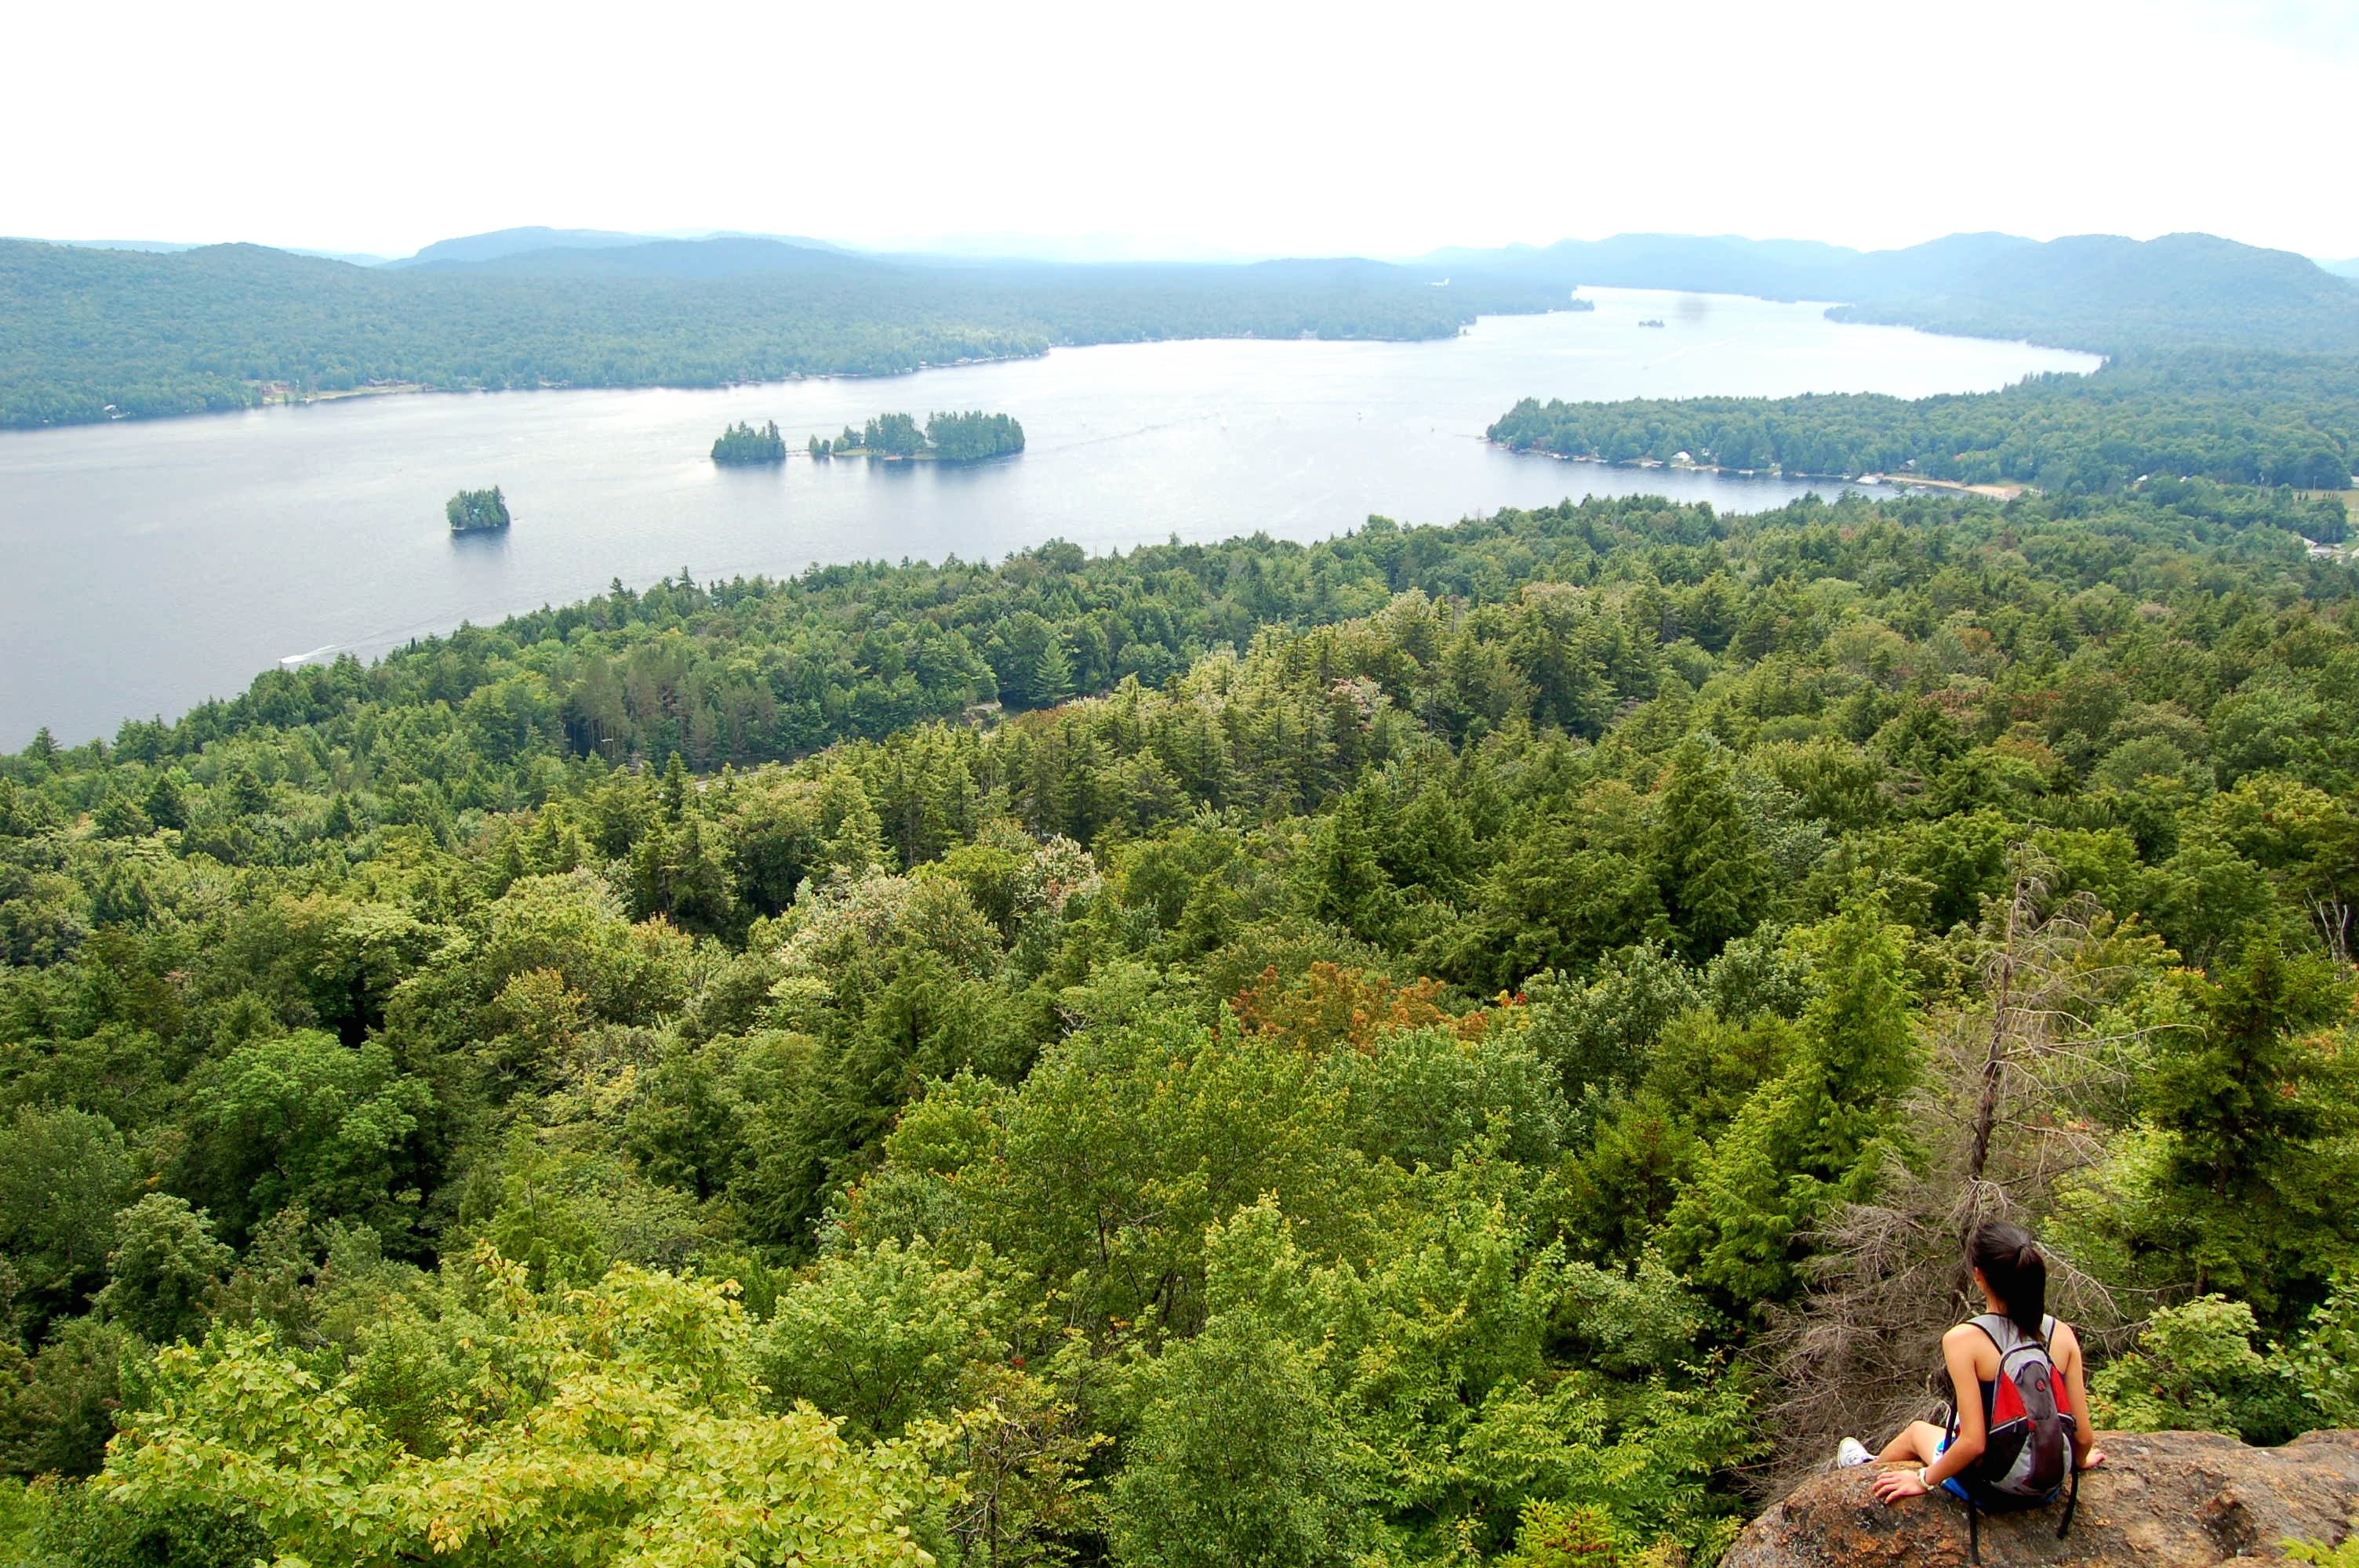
{"x":2065,"y":1351}
{"x":1960,"y":1348}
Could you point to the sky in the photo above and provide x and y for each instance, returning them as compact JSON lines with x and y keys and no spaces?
{"x":1375,"y":128}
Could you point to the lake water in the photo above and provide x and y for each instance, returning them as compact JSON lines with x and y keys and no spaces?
{"x":150,"y":566}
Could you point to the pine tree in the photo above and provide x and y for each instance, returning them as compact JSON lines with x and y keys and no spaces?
{"x":1052,"y":675}
{"x":1716,"y":882}
{"x":246,"y":796}
{"x":167,"y":805}
{"x":2252,"y":1168}
{"x":1815,"y":1135}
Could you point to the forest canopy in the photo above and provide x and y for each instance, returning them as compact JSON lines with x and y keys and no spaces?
{"x":1389,"y":1050}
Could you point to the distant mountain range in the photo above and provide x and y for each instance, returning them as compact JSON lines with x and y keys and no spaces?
{"x":90,"y":333}
{"x":2091,"y":291}
{"x":2096,"y":291}
{"x":144,"y":327}
{"x":174,"y":247}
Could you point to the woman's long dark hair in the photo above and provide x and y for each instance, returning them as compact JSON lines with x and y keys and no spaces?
{"x":2010,"y":1261}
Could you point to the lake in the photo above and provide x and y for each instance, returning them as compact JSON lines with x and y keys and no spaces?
{"x":152,"y":565}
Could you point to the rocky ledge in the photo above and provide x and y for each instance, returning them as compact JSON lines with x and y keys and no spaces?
{"x":2164,"y":1499}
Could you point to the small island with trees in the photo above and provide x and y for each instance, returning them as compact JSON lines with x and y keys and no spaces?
{"x":741,"y":443}
{"x":945,"y":437}
{"x":476,"y":511}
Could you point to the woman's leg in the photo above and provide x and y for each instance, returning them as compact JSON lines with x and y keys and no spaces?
{"x":1920,"y":1442}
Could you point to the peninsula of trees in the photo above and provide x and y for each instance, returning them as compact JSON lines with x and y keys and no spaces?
{"x":476,"y":511}
{"x":1458,"y":1045}
{"x":946,"y":437}
{"x":741,"y":443}
{"x":2247,"y":417}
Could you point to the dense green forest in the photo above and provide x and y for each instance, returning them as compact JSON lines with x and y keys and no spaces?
{"x":2249,"y":417}
{"x":741,"y":443}
{"x":1446,"y":1045}
{"x":93,"y":334}
{"x":476,"y":510}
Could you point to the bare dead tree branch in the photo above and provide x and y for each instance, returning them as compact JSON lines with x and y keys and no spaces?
{"x":2023,"y":1087}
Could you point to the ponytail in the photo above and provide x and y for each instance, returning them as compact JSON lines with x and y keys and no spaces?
{"x":2018,"y":1275}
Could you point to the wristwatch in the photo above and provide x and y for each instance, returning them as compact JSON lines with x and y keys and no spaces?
{"x":1925,"y":1484}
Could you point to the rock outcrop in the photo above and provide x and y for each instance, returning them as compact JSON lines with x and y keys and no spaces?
{"x":2166,"y":1500}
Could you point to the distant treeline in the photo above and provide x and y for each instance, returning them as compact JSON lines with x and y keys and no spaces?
{"x":88,"y":335}
{"x":2242,"y":418}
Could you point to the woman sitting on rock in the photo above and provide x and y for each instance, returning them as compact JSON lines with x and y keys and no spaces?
{"x":2015,"y":1446}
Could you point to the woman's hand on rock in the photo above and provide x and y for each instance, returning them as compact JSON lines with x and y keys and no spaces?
{"x":1894,"y":1485}
{"x":2092,"y":1459}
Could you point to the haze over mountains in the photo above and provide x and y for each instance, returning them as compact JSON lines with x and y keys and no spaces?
{"x":96,"y":333}
{"x":1774,"y":268}
{"x":2093,"y":291}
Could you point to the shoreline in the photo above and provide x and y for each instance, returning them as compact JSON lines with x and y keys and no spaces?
{"x":279,"y":395}
{"x":2002,"y":492}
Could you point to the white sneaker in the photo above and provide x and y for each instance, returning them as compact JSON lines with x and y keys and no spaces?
{"x":1851,"y":1451}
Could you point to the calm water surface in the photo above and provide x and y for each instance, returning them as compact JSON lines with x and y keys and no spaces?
{"x":151,"y":566}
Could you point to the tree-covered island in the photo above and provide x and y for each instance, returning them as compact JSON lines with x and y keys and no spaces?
{"x":476,"y":511}
{"x":945,"y":437}
{"x":741,"y":443}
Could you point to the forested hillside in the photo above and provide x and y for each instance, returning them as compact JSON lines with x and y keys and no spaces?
{"x":2242,"y":417}
{"x":1445,"y":1045}
{"x":89,"y":334}
{"x":92,"y":334}
{"x":2099,"y":292}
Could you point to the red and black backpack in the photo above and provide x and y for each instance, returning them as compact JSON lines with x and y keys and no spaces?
{"x":2028,"y":1458}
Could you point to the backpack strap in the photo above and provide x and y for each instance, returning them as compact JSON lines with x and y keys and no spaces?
{"x":2072,"y":1498}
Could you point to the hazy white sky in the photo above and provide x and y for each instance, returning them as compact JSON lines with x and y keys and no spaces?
{"x":1266,"y":126}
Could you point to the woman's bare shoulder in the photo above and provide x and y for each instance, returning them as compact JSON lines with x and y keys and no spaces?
{"x":2063,"y":1341}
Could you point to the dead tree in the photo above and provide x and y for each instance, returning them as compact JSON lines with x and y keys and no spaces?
{"x":2022,"y":1088}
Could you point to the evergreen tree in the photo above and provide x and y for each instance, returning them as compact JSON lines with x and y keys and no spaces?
{"x":1716,"y":882}
{"x":2256,"y":1176}
{"x":1052,"y":675}
{"x":1813,"y":1136}
{"x":167,"y":805}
